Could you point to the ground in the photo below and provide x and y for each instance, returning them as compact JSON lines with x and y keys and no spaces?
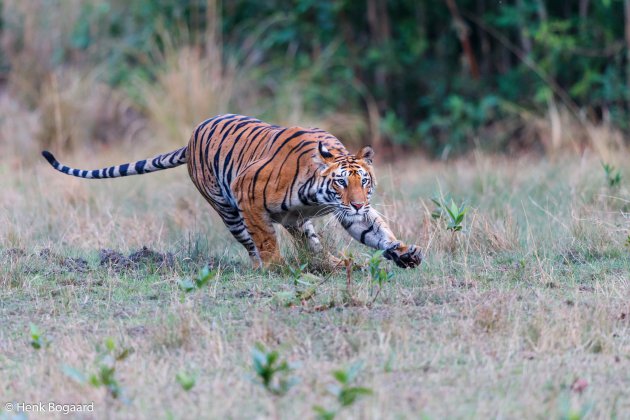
{"x":525,"y":313}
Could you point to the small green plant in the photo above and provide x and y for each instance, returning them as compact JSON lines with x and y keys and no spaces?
{"x":628,"y":242}
{"x":613,"y":176}
{"x":455,"y":214}
{"x":378,"y":275}
{"x":105,"y":370}
{"x":344,"y":392}
{"x":38,"y":339}
{"x":271,"y":372}
{"x":304,"y":284}
{"x":297,"y":273}
{"x":186,"y":380}
{"x":188,"y":285}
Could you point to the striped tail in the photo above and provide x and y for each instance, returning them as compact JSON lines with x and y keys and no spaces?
{"x":165,"y":161}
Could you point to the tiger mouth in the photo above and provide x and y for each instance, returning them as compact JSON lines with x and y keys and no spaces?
{"x":353,"y":213}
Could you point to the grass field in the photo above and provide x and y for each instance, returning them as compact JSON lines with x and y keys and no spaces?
{"x":523,"y":314}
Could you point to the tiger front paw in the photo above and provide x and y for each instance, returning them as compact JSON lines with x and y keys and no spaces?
{"x":404,"y":256}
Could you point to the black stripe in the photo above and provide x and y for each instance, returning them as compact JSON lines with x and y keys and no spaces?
{"x":204,"y":152}
{"x":228,"y":162}
{"x":289,"y":193}
{"x":171,"y":159}
{"x":183,"y":154}
{"x":238,"y":231}
{"x":140,"y":166}
{"x":123,"y":169}
{"x":251,"y":138}
{"x":254,"y":154}
{"x":271,"y":159}
{"x":203,"y":124}
{"x":365,"y":232}
{"x":228,"y":128}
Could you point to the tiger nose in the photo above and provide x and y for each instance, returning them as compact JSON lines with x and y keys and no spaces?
{"x":357,"y":205}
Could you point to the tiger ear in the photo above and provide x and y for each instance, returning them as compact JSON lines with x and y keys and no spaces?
{"x":323,"y":154}
{"x":367,"y":154}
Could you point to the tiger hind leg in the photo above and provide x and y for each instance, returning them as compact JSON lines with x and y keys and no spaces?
{"x":236,"y":226}
{"x":263,"y":236}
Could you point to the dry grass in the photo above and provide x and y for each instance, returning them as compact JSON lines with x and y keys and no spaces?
{"x":33,"y":37}
{"x":508,"y":319}
{"x":525,"y":314}
{"x":192,"y":85}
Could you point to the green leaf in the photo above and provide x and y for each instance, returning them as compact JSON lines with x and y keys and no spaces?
{"x":453,"y":209}
{"x":94,"y":380}
{"x":341,"y":376}
{"x":38,"y":340}
{"x":377,"y":254}
{"x":349,"y":395}
{"x":259,"y":360}
{"x":323,"y":414}
{"x":186,"y":380}
{"x":109,"y":344}
{"x":204,"y":277}
{"x":272,"y":356}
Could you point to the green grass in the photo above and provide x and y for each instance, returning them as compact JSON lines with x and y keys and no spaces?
{"x":505,"y":318}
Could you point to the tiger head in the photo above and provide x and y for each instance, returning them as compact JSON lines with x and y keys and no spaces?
{"x":348,"y":180}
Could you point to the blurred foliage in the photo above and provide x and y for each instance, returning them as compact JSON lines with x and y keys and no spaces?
{"x":406,"y":59}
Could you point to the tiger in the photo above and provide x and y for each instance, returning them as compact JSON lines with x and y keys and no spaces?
{"x":257,"y":175}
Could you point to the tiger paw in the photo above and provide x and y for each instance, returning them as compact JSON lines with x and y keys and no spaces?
{"x":404,"y":256}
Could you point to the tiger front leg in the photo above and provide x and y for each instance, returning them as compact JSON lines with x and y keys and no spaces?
{"x":371,"y":230}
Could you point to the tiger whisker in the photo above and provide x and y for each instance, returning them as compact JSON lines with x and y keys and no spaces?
{"x":382,"y":215}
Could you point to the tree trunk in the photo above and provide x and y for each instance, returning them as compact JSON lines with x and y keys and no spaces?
{"x":462,"y":32}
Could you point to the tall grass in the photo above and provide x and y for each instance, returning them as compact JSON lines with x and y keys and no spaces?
{"x":34,"y":37}
{"x":191,"y":86}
